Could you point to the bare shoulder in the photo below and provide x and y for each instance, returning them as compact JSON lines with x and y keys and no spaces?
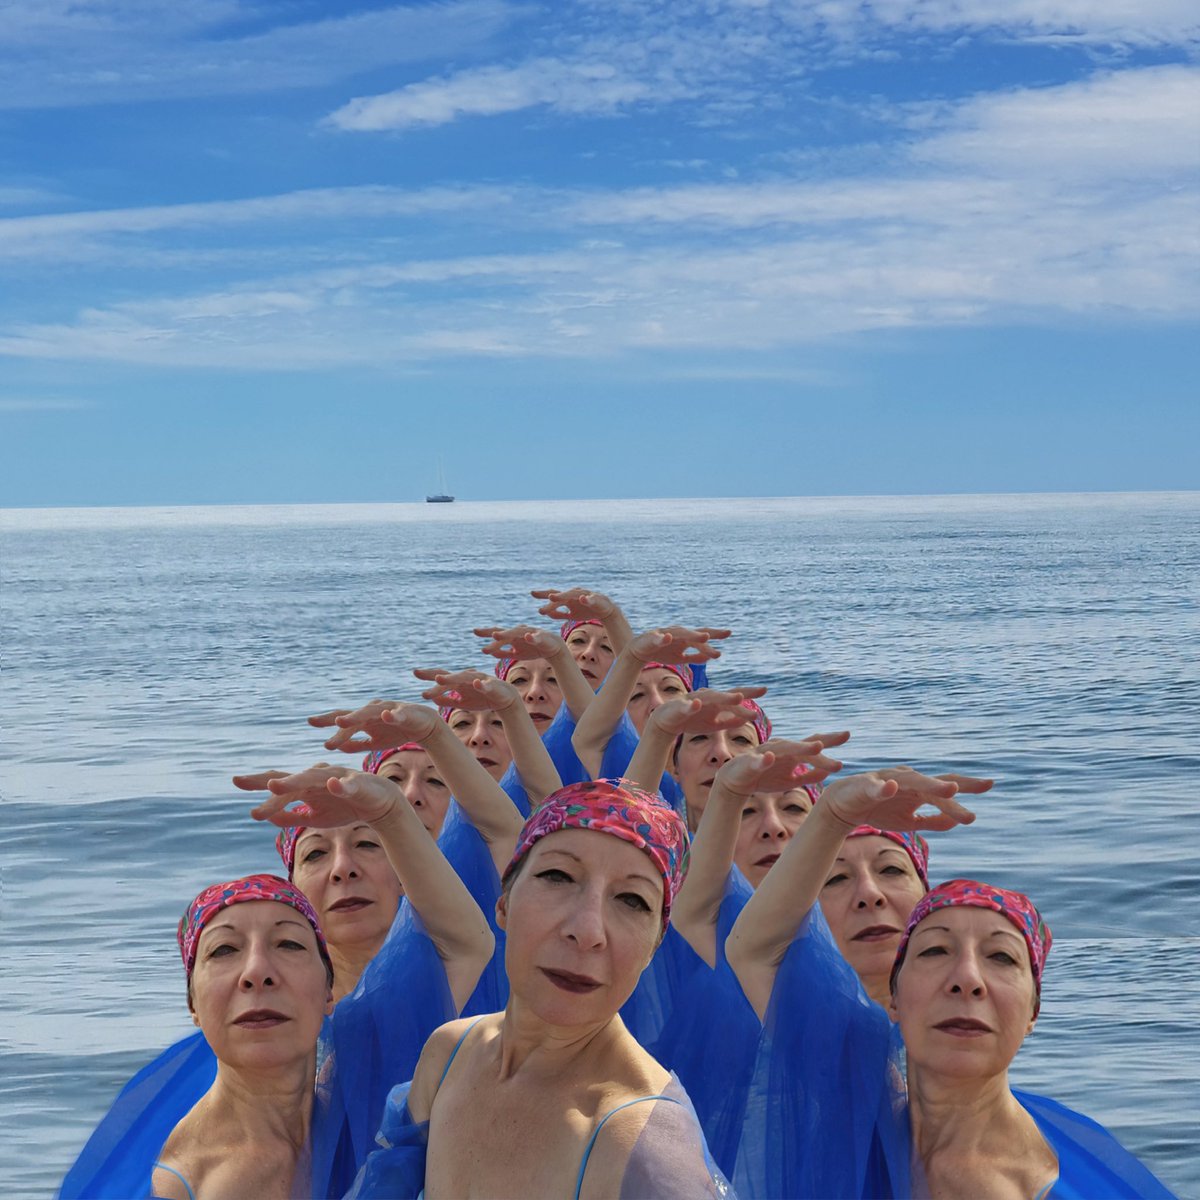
{"x":166,"y":1185}
{"x":650,"y":1148}
{"x":431,"y":1066}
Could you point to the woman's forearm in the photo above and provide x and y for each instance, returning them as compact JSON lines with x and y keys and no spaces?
{"x":595,"y":728}
{"x":650,"y":759}
{"x":698,"y":904}
{"x":577,"y":692}
{"x":538,"y":774}
{"x":485,"y":803}
{"x":454,"y":922}
{"x":772,"y":917}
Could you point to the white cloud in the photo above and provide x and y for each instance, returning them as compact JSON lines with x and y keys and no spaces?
{"x":58,"y":53}
{"x":582,"y":87}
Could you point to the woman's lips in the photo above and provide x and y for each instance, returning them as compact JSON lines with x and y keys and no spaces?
{"x":260,"y":1018}
{"x":769,"y":861}
{"x":351,"y":904}
{"x":568,"y":981}
{"x":876,"y":933}
{"x":963,"y":1027}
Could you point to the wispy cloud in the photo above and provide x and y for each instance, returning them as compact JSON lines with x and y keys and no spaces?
{"x":581,"y":87}
{"x":58,"y":53}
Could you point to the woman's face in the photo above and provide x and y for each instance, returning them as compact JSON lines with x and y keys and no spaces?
{"x":583,"y":919}
{"x":591,"y":649}
{"x":867,"y":900}
{"x":964,"y":997}
{"x":259,"y":988}
{"x":655,"y":686}
{"x":413,"y":772}
{"x":346,"y":875}
{"x":483,"y":734}
{"x":698,"y":759}
{"x":769,"y":822}
{"x":539,"y":689}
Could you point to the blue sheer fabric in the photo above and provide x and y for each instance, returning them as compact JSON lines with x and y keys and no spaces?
{"x":1092,"y":1164}
{"x":823,"y":1110}
{"x":374,"y":1037}
{"x":557,"y":740}
{"x":711,"y":1039}
{"x":669,"y":1159}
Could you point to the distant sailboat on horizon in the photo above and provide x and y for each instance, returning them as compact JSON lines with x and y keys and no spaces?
{"x":441,"y":496}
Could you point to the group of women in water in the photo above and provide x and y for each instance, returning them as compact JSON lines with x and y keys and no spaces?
{"x":485,"y":969}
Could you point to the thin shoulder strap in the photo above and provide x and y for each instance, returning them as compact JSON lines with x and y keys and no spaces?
{"x":158,"y":1166}
{"x":457,"y":1048}
{"x":587,"y":1153}
{"x":1046,"y":1190}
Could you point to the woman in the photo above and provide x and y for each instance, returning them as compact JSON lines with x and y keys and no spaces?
{"x":594,"y":627}
{"x":417,"y":980}
{"x":260,"y":984}
{"x":965,"y":991}
{"x":654,"y":667}
{"x":583,"y":915}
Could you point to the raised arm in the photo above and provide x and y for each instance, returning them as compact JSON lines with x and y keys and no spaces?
{"x":775,"y":766}
{"x":526,"y":642}
{"x":383,"y":724}
{"x":673,"y":644}
{"x":886,"y":799}
{"x":332,"y":796}
{"x":579,"y":604}
{"x":475,"y":691}
{"x":705,"y":709}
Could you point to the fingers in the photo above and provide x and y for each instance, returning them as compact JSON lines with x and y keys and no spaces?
{"x":257,"y":782}
{"x":968,"y":783}
{"x":831,"y":739}
{"x":325,"y":719}
{"x":429,"y":674}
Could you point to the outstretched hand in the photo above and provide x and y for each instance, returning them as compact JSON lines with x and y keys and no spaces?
{"x":323,"y":797}
{"x":889,"y":799}
{"x":705,"y":711}
{"x":677,"y":644}
{"x":522,"y":642}
{"x":778,"y":766}
{"x":380,"y":725}
{"x":472,"y":691}
{"x":574,"y":604}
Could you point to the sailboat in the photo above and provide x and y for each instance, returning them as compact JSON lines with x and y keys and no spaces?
{"x":441,"y":496}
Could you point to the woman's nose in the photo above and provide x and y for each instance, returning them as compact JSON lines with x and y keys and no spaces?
{"x":585,"y":922}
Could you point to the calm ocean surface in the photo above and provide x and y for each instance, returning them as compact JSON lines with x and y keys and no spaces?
{"x":1050,"y":641}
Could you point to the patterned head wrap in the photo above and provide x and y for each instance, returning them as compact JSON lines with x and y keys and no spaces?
{"x":504,"y":665}
{"x":913,"y":844}
{"x":569,"y":627}
{"x":253,"y":887}
{"x":373,"y":761}
{"x":620,"y":808}
{"x":759,"y":719}
{"x":1014,"y":906}
{"x":286,"y":839}
{"x":681,"y":669}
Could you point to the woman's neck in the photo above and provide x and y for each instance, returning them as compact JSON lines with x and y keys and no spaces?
{"x":972,"y":1115}
{"x":274,"y":1104}
{"x":526,"y":1041}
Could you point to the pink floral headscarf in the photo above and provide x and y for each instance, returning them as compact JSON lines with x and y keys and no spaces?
{"x":253,"y":887}
{"x":1015,"y":906}
{"x":620,"y":808}
{"x":913,"y":844}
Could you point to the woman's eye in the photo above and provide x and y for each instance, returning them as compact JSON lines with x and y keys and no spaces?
{"x":634,"y":901}
{"x":797,"y":808}
{"x":932,"y":952}
{"x":749,"y":812}
{"x":893,"y":869}
{"x":434,"y":782}
{"x":459,"y":726}
{"x":696,"y":738}
{"x":289,"y":944}
{"x":636,"y":697}
{"x":1004,"y":958}
{"x":742,"y":740}
{"x":222,"y":950}
{"x":367,"y":844}
{"x":552,"y":679}
{"x":554,"y":875}
{"x":835,"y":879}
{"x":312,"y":855}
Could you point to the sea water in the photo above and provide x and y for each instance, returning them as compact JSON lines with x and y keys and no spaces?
{"x":1049,"y":641}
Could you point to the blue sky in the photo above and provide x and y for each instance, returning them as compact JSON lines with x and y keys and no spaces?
{"x":293,"y":251}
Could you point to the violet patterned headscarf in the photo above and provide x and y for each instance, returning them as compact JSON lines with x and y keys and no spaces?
{"x":620,"y":808}
{"x":1014,"y":906}
{"x":239,"y":891}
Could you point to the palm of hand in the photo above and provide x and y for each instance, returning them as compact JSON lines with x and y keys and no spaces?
{"x":522,"y":642}
{"x":704,"y":711}
{"x":472,"y":691}
{"x":382,"y":725}
{"x":772,"y":768}
{"x":675,"y":644}
{"x":890,"y":800}
{"x":576,"y":604}
{"x":357,"y":797}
